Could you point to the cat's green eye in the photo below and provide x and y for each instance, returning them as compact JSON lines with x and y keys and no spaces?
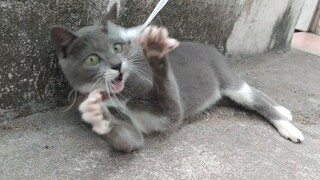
{"x":117,"y":48}
{"x":92,"y":60}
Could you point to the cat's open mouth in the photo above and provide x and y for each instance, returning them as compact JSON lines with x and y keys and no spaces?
{"x":117,"y":84}
{"x":119,"y":78}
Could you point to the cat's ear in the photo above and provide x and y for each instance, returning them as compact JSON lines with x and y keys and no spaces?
{"x":112,"y":14}
{"x":61,"y":37}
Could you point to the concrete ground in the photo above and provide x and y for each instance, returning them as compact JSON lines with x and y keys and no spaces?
{"x":224,"y":143}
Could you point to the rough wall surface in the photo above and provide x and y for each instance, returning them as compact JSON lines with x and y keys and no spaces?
{"x":31,"y":81}
{"x":264,"y":25}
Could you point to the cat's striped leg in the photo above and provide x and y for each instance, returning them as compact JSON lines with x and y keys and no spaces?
{"x":278,"y":115}
{"x":156,"y":45}
{"x":120,"y":134}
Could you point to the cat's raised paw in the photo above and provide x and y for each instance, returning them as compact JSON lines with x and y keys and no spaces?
{"x":156,"y":42}
{"x":92,"y":113}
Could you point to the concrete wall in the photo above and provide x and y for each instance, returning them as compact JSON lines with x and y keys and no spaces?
{"x":31,"y":81}
{"x":307,"y":15}
{"x":264,"y":25}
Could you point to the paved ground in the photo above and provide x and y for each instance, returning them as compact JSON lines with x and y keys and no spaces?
{"x":224,"y":143}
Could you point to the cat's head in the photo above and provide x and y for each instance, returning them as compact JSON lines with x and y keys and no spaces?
{"x":95,"y":56}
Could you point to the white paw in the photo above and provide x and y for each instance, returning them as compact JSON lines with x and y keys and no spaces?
{"x":92,"y":113}
{"x":101,"y":128}
{"x":288,"y":130}
{"x":91,"y":108}
{"x":156,"y":43}
{"x":284,"y":111}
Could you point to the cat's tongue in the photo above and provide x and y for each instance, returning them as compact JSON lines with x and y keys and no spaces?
{"x":117,"y":86}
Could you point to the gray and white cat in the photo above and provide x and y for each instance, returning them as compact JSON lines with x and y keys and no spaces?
{"x":155,"y":88}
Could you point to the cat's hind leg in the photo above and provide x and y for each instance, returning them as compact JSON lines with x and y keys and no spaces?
{"x":278,"y":115}
{"x":122,"y":135}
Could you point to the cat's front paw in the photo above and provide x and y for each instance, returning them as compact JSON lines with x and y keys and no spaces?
{"x":93,"y":114}
{"x":156,"y":42}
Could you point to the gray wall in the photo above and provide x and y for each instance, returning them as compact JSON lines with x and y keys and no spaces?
{"x":31,"y":81}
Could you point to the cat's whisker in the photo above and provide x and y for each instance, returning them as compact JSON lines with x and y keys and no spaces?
{"x":137,"y":69}
{"x":140,"y":65}
{"x":95,"y":83}
{"x":122,"y":95}
{"x":135,"y":56}
{"x":107,"y":89}
{"x":112,"y":92}
{"x":69,"y":84}
{"x":101,"y":74}
{"x":135,"y":52}
{"x":74,"y":101}
{"x":132,"y":55}
{"x":122,"y":106}
{"x":136,"y":59}
{"x":71,"y":92}
{"x":141,"y":75}
{"x":110,"y":88}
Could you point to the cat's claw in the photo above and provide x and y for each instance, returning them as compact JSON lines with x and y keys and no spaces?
{"x":92,"y":113}
{"x":156,"y":42}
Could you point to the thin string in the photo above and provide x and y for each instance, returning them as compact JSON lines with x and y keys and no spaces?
{"x":154,"y":13}
{"x":133,"y":32}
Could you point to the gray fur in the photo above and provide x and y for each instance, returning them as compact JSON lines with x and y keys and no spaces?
{"x":188,"y":80}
